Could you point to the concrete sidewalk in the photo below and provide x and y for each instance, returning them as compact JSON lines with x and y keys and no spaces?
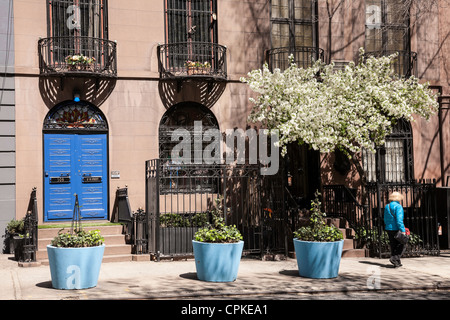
{"x":177,"y":279}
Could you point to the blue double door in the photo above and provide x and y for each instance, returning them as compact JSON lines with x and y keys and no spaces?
{"x":75,"y":164}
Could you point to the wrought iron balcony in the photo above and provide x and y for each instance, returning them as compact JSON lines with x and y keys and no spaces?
{"x":83,"y":56}
{"x":191,"y":60}
{"x":304,"y":57}
{"x":405,"y":65}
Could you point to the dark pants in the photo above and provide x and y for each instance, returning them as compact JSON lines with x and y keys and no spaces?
{"x":397,"y":248}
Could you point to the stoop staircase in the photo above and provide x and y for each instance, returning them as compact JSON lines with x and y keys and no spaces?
{"x":116,"y":248}
{"x":349,"y":250}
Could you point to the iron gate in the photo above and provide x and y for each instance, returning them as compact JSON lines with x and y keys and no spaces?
{"x":419,"y":204}
{"x":180,"y":197}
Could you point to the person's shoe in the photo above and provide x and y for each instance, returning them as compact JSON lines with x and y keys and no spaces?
{"x":395,"y":263}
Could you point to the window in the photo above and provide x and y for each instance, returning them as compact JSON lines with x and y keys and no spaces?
{"x":387,"y":25}
{"x":191,"y":37}
{"x":84,"y":18}
{"x":191,"y":21}
{"x":293,"y":23}
{"x":183,"y":116}
{"x":78,"y":27}
{"x":294,"y":31}
{"x":177,"y":175}
{"x":71,"y":115}
{"x":395,"y":158}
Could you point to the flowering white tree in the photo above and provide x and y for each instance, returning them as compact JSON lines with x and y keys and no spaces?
{"x":330,"y":109}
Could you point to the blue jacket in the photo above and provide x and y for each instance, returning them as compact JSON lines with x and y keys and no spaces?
{"x":390,"y":222}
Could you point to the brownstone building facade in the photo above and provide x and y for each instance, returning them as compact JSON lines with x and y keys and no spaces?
{"x":106,"y":111}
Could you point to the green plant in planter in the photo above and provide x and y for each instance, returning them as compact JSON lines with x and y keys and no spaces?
{"x":218,"y":231}
{"x":15,"y":227}
{"x":79,"y":239}
{"x":318,"y":230}
{"x":172,"y":220}
{"x":167,"y":220}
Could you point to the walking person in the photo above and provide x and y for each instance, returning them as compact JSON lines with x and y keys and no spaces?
{"x":393,"y":221}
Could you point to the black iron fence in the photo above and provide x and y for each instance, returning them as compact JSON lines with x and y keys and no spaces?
{"x":192,"y":59}
{"x":26,"y":244}
{"x":134,"y":223}
{"x":420,"y":209}
{"x":77,"y":55}
{"x":180,"y":198}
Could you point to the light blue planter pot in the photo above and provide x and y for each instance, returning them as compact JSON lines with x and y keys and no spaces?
{"x":217,"y":262}
{"x":75,"y":268}
{"x":319,"y":260}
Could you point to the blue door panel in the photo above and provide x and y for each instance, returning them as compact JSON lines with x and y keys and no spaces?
{"x":57,"y":175}
{"x":75,"y":164}
{"x":93,"y":176}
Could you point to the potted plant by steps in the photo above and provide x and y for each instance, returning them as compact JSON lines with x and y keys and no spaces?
{"x":14,"y":236}
{"x":75,"y":259}
{"x":318,"y":246}
{"x":217,"y":249}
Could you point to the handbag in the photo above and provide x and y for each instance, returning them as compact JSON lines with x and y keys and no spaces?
{"x":403,"y":238}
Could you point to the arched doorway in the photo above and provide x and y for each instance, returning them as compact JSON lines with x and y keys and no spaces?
{"x":183,"y":116}
{"x":75,"y":161}
{"x":195,"y":119}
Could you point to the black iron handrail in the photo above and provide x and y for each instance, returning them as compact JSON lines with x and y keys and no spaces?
{"x":303,"y":57}
{"x":30,"y":239}
{"x":192,"y":59}
{"x":55,"y":53}
{"x":405,"y":65}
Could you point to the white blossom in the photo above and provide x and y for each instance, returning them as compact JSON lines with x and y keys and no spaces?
{"x":346,"y":109}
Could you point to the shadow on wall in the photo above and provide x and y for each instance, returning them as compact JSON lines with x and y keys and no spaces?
{"x":57,"y":89}
{"x":204,"y":92}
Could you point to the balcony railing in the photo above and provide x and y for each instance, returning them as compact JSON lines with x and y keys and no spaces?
{"x":405,"y":65}
{"x":304,"y":57}
{"x":192,"y":59}
{"x":61,"y":55}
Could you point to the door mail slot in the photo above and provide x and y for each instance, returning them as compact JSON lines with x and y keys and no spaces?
{"x":59,"y":180}
{"x":90,"y":179}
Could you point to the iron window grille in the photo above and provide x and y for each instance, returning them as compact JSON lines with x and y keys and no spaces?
{"x":191,"y":21}
{"x":191,"y":47}
{"x":77,"y":18}
{"x":394,"y":161}
{"x":77,"y":39}
{"x":183,"y":177}
{"x":294,"y":30}
{"x":388,"y":31}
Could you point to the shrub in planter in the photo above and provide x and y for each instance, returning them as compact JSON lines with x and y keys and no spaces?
{"x":177,"y":231}
{"x":217,"y":249}
{"x":75,"y":259}
{"x":318,"y":246}
{"x":13,"y":235}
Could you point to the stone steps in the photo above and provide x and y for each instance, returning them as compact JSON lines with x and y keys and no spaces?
{"x":348,"y":250}
{"x":116,"y":249}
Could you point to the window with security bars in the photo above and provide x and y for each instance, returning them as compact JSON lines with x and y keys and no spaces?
{"x":191,"y":20}
{"x":78,"y":18}
{"x":387,"y":30}
{"x":294,"y":28}
{"x":191,"y":31}
{"x":77,"y":27}
{"x":394,"y":159}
